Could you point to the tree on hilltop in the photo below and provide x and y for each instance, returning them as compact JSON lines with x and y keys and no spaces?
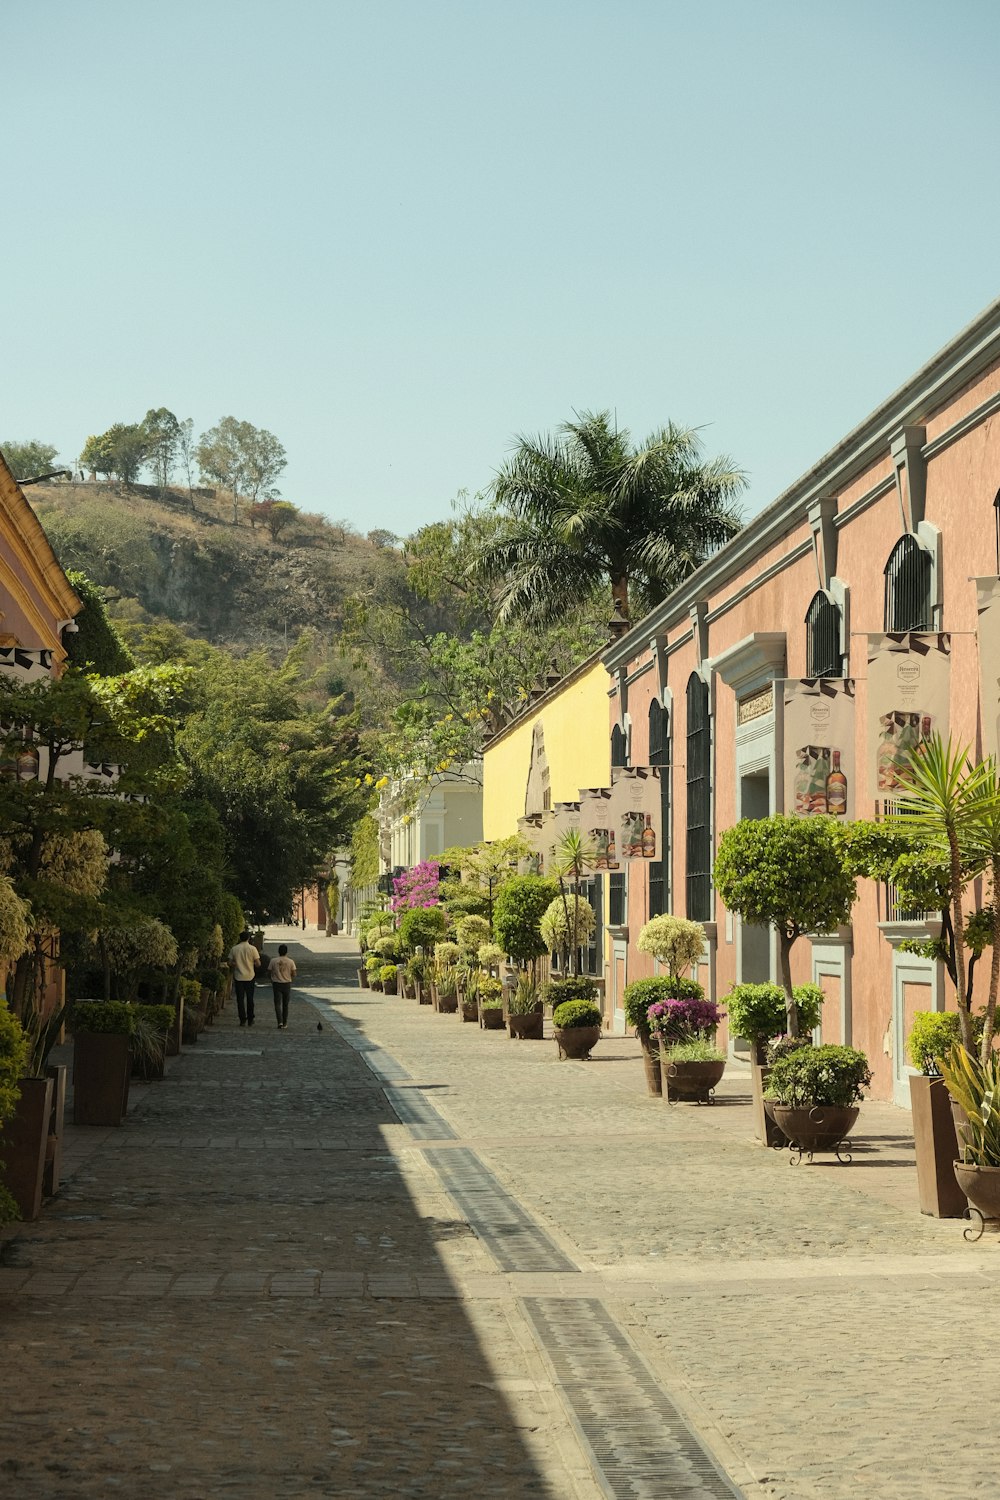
{"x":26,"y":460}
{"x":163,"y":433}
{"x":241,"y":458}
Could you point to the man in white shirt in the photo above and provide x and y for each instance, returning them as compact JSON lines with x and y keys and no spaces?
{"x":244,"y":961}
{"x":282,"y":972}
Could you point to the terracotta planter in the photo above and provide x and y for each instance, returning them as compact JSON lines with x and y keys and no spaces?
{"x":821,"y":1128}
{"x":529,"y":1028}
{"x":22,"y":1150}
{"x":981,"y":1185}
{"x":176,"y":1032}
{"x":651,"y":1067}
{"x":100,"y":1077}
{"x":363,"y":979}
{"x":58,"y":1072}
{"x":577,"y":1041}
{"x":470,"y":1010}
{"x":491,"y":1018}
{"x":693,"y":1081}
{"x":937,"y":1149}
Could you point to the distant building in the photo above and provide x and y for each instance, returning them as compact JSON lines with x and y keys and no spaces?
{"x":418,"y":820}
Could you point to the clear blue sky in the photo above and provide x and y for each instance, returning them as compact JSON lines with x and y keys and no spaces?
{"x":397,"y":234}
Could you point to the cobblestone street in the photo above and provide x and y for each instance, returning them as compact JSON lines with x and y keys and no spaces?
{"x":398,"y":1255}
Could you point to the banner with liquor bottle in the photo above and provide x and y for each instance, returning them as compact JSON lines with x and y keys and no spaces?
{"x":542,"y":831}
{"x":988,"y":604}
{"x":624,"y":821}
{"x":818,"y":729}
{"x":908,"y":691}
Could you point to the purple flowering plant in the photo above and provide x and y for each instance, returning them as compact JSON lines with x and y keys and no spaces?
{"x":418,"y":886}
{"x":683,"y":1020}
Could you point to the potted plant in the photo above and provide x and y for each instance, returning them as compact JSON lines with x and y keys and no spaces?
{"x":24,"y":1119}
{"x":469,"y":1003}
{"x":814,"y":1093}
{"x":446,"y":956}
{"x":102,"y":1034}
{"x":490,"y":1000}
{"x":932,"y":1037}
{"x":373,"y":966}
{"x":690,"y":1063}
{"x":975,"y":1085}
{"x":194,"y":1015}
{"x":568,"y":922}
{"x":387,"y":975}
{"x":577,"y":1026}
{"x":520,"y":905}
{"x":525,"y":1018}
{"x":150,"y":1029}
{"x":418,"y":972}
{"x":636,"y":1000}
{"x":757,"y":1013}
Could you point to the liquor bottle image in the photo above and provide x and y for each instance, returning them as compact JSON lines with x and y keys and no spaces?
{"x":886,"y":757}
{"x":817,"y":781}
{"x":836,"y":789}
{"x":925,"y":734}
{"x":906,"y":740}
{"x":648,"y":843}
{"x":612,"y":852}
{"x":600,"y":837}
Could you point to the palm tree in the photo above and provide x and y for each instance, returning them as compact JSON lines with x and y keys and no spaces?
{"x":585,"y":508}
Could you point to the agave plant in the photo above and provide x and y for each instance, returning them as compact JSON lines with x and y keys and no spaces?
{"x":975,"y":1086}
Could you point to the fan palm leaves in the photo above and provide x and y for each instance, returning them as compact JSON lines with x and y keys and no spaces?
{"x":583,"y":508}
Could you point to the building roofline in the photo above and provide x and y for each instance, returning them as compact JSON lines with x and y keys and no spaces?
{"x":948,"y":371}
{"x":534,"y":704}
{"x":41,"y":563}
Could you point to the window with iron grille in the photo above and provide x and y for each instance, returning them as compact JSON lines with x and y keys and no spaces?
{"x":616,"y":900}
{"x":657,"y":888}
{"x":908,"y":587}
{"x":699,"y":801}
{"x":592,"y":958}
{"x":657,"y":734}
{"x":618,"y":757}
{"x":823,"y":658}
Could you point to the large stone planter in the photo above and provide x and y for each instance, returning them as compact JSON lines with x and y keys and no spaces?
{"x":447,"y":1004}
{"x":821,"y":1128}
{"x":936,"y":1144}
{"x":470,"y":1010}
{"x":100,"y":1077}
{"x":693,"y":1082}
{"x":528,"y":1028}
{"x":765,"y":1128}
{"x":424,"y":996}
{"x":577,"y":1041}
{"x":491,"y":1017}
{"x":363,"y":979}
{"x":651,"y":1068}
{"x":22,"y":1149}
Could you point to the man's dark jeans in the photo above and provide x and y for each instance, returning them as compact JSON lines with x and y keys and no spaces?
{"x":282,"y":995}
{"x":244,"y":999}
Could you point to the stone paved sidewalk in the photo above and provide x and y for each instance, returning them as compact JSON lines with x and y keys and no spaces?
{"x":402,"y":1256}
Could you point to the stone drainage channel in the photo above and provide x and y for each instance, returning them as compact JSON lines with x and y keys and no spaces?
{"x":639,"y":1444}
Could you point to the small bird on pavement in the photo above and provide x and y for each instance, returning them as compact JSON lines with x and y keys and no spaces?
{"x":319,"y":1025}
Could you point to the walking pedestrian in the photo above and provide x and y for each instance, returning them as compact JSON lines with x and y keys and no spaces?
{"x":244,"y":960}
{"x":282,"y":972}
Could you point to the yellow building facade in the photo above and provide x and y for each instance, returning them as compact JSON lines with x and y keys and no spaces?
{"x":559,"y":742}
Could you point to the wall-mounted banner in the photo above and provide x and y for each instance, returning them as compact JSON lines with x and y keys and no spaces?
{"x":27,"y":664}
{"x":624,"y":821}
{"x":818,"y":736}
{"x":988,"y":604}
{"x":908,"y":692}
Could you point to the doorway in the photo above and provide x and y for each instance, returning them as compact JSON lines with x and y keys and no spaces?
{"x":754,"y":953}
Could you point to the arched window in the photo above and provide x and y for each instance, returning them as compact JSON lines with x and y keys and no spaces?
{"x":657,"y":734}
{"x":823,"y":658}
{"x":908,"y":587}
{"x":699,"y":801}
{"x":618,"y":756}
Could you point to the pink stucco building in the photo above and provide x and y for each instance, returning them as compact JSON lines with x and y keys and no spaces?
{"x":842,"y":624}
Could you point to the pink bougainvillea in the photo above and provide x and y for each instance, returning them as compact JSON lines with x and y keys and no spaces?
{"x":418,"y":887}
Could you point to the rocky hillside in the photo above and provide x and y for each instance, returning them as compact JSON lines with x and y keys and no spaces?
{"x":159,"y":556}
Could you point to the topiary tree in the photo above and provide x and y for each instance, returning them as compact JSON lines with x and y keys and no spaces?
{"x":568,"y":921}
{"x":471,"y":933}
{"x":520,"y":905}
{"x":673,"y":941}
{"x":422,"y":927}
{"x":787,"y":873}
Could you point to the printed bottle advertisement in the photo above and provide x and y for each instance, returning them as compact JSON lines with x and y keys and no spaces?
{"x":622,"y":821}
{"x":988,"y":603}
{"x":908,"y":689}
{"x":818,"y":736}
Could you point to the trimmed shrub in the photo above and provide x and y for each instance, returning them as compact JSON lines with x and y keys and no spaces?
{"x":102,"y":1015}
{"x":520,"y":905}
{"x":832,"y":1077}
{"x":641,"y":994}
{"x":758,"y":1012}
{"x":573,"y":987}
{"x":574,"y":1013}
{"x":423,"y":926}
